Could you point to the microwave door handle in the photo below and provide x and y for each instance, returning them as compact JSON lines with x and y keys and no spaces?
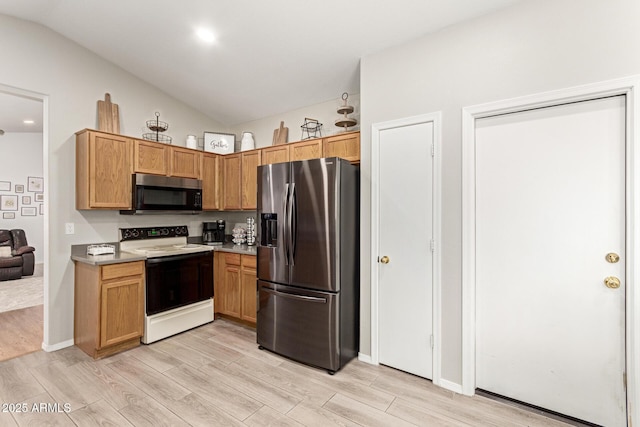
{"x":285,"y":234}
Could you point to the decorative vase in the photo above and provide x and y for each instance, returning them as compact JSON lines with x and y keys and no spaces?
{"x":192,"y":142}
{"x":247,"y":142}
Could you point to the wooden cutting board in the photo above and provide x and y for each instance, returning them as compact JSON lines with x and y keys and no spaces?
{"x":280,"y":135}
{"x":108,"y":115}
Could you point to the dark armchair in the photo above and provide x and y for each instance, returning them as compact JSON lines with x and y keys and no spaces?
{"x":16,"y":256}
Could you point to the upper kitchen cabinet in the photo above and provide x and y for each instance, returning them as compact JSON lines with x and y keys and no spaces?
{"x":305,"y":150}
{"x":275,"y":154}
{"x":249,"y":173}
{"x":184,"y":162}
{"x":103,"y":170}
{"x":232,"y":181}
{"x":211,"y":181}
{"x":150,"y":157}
{"x":346,"y":146}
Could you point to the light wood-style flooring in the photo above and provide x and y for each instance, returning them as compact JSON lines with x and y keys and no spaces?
{"x":20,"y":331}
{"x":216,"y":376}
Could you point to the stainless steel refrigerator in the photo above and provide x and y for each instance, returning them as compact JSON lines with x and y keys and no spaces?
{"x":308,"y":261}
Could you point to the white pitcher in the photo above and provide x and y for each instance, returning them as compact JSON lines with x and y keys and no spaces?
{"x":247,"y":142}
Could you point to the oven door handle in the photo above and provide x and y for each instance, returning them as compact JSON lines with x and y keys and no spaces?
{"x":160,"y":259}
{"x":295,"y":296}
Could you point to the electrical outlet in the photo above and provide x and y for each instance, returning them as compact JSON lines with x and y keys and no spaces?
{"x":69,"y":228}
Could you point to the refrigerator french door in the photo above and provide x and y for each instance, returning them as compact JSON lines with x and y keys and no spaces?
{"x":308,"y":263}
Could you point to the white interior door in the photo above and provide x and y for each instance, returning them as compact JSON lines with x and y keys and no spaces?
{"x":405,"y":283}
{"x":550,"y":206}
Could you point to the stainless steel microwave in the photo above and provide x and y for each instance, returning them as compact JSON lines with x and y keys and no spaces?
{"x":165,"y":194}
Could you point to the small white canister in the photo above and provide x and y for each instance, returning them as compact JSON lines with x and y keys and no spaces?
{"x":247,"y":142}
{"x":192,"y":142}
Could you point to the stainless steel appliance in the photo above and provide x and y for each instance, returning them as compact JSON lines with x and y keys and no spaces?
{"x":165,"y":194}
{"x":308,"y":261}
{"x":179,"y":279}
{"x":213,"y":233}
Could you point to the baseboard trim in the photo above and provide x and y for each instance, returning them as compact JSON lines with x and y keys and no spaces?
{"x":58,"y":346}
{"x":365,"y":358}
{"x":451,"y":386}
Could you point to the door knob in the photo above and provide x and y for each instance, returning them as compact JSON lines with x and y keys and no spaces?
{"x":612,"y":257}
{"x":384,"y":260}
{"x":612,"y":282}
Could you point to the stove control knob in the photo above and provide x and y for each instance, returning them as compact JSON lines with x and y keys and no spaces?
{"x":135,"y":233}
{"x":164,"y":231}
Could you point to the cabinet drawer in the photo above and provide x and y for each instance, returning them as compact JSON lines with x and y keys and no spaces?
{"x":233,"y":259}
{"x":114,"y":271}
{"x":249,"y":261}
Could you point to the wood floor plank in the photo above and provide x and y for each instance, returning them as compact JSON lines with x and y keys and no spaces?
{"x":186,"y":355}
{"x":219,"y":352}
{"x":245,"y":383}
{"x":311,"y":415}
{"x":154,"y":358}
{"x":198,"y":411}
{"x":17,"y":383}
{"x":361,"y":413}
{"x":270,"y":417}
{"x":235,"y":403}
{"x":421,"y":416}
{"x":99,"y":413}
{"x":246,"y":347}
{"x":7,"y":420}
{"x":149,"y":380}
{"x":297,"y":385}
{"x":21,"y":331}
{"x":149,"y":413}
{"x":64,"y":385}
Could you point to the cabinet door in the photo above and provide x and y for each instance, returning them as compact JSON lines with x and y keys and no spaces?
{"x":109,"y":171}
{"x":306,"y":150}
{"x":231,"y":291}
{"x":210,"y":181}
{"x":184,"y":162}
{"x":121,"y":310}
{"x":249,"y":173}
{"x":249,"y":288}
{"x":346,"y":146}
{"x":277,"y":154}
{"x":150,"y":157}
{"x":232,"y":182}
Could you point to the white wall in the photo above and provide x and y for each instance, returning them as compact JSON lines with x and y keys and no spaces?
{"x":21,"y":155}
{"x":525,"y":49}
{"x":74,"y":79}
{"x":324,"y":112}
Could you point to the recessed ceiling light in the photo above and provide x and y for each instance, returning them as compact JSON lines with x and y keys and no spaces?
{"x":28,"y":122}
{"x":205,"y":35}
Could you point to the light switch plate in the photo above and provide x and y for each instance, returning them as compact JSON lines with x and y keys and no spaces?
{"x":69,"y":228}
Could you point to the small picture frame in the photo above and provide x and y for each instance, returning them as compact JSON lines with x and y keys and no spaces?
{"x":8,"y":215}
{"x":8,"y":203}
{"x":5,"y":185}
{"x":35,"y":184}
{"x":19,"y":188}
{"x":219,"y":143}
{"x":28,"y":211}
{"x":39,"y":197}
{"x":40,"y":209}
{"x":26,"y":200}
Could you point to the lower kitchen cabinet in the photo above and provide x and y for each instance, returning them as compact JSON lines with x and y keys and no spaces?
{"x":109,"y":307}
{"x":235,"y":286}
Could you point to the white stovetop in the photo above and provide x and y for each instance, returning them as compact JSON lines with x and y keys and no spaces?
{"x":162,"y":247}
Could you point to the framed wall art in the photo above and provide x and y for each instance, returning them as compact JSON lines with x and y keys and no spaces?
{"x":35,"y":184}
{"x":5,"y":185}
{"x":26,"y":200}
{"x":28,"y":211}
{"x":19,"y":188}
{"x":8,"y":203}
{"x":39,"y":197}
{"x":219,"y":143}
{"x":40,"y":210}
{"x":8,"y":215}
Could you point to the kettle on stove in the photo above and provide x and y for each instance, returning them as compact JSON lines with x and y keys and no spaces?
{"x":213,"y":232}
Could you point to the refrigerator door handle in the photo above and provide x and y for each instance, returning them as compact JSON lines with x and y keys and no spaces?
{"x":293,"y":220}
{"x":294,"y":296}
{"x":285,"y":228}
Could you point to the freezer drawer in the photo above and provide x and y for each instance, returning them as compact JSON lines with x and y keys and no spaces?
{"x":300,"y":324}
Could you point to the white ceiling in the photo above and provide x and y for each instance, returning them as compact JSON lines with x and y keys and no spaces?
{"x":14,"y":110}
{"x":269,"y":57}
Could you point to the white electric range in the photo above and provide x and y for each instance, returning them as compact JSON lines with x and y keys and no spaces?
{"x":179,"y":279}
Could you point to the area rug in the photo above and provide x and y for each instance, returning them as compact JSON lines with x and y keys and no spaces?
{"x":22,"y":293}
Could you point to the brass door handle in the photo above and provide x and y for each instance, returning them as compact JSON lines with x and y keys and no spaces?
{"x":612,"y":282}
{"x":384,"y":260}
